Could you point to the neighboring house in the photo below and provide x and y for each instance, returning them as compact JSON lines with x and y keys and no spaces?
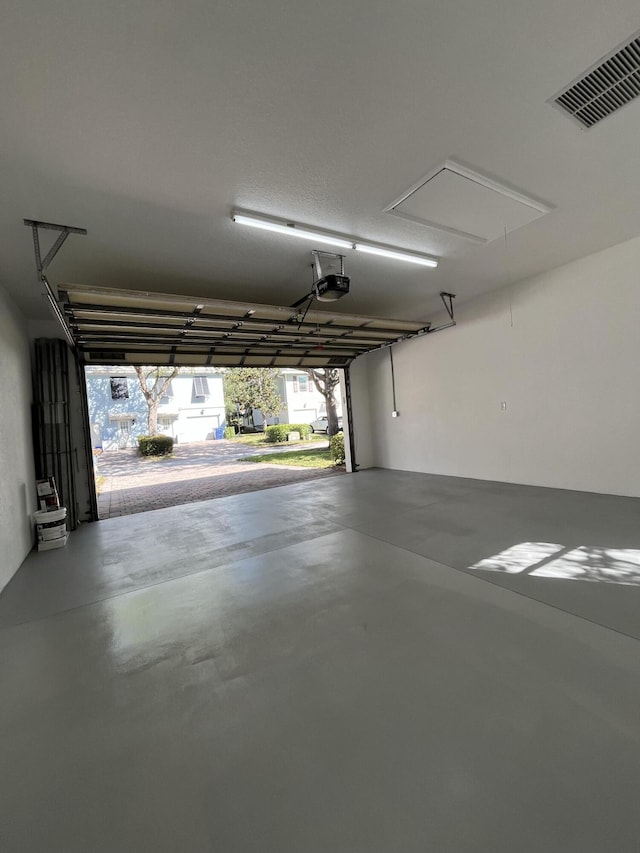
{"x":302,"y":403}
{"x":191,"y":410}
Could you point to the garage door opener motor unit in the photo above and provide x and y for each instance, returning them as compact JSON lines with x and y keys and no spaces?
{"x":329,"y":281}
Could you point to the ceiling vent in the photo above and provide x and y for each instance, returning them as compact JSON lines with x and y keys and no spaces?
{"x":607,"y":87}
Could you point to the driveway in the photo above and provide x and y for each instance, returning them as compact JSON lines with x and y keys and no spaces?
{"x":195,"y":472}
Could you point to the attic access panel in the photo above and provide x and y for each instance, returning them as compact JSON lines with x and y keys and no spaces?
{"x":132,"y":327}
{"x":463,"y":202}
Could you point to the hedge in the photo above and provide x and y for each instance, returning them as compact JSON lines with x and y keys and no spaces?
{"x":155,"y":445}
{"x":278,"y":432}
{"x":229,"y":432}
{"x":336,"y":445}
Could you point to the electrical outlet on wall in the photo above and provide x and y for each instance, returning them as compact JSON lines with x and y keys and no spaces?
{"x":395,"y":414}
{"x":503,"y":405}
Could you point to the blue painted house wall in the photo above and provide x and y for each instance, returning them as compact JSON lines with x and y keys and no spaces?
{"x":102,"y":408}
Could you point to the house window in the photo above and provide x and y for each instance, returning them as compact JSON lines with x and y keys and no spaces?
{"x":300,"y":383}
{"x":200,"y":386}
{"x":119,"y":388}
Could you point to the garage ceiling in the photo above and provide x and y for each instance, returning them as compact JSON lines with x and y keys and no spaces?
{"x":147,"y":123}
{"x":125,"y":327}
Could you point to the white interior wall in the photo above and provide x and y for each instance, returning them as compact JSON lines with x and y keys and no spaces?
{"x":561,"y":349}
{"x":17,"y":478}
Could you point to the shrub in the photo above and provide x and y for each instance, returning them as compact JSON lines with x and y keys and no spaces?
{"x":229,"y":432}
{"x":278,"y":432}
{"x":155,"y":445}
{"x":336,"y":445}
{"x":303,"y":429}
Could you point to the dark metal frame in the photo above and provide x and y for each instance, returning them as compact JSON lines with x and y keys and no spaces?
{"x":88,"y":444}
{"x":53,"y":442}
{"x":352,"y":443}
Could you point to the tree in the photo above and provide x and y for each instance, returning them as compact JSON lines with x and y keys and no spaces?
{"x":249,"y":388}
{"x":161,"y":377}
{"x":326,"y":379}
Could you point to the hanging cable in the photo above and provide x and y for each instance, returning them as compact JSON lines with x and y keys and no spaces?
{"x":306,"y":311}
{"x":393,"y":380}
{"x":506,"y":255}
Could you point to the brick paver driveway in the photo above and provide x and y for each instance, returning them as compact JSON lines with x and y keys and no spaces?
{"x":195,"y":472}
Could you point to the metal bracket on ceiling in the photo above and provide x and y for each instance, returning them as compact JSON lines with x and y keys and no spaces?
{"x":447,"y":301}
{"x":43,"y":263}
{"x":65,"y":230}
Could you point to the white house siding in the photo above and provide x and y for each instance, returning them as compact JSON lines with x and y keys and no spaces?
{"x":302,"y":402}
{"x":189,"y":417}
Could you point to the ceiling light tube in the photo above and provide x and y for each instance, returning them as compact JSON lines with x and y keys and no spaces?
{"x":292,"y":230}
{"x":397,"y":256}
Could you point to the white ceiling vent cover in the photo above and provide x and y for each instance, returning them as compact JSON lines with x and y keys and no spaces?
{"x":609,"y":85}
{"x":460,"y":201}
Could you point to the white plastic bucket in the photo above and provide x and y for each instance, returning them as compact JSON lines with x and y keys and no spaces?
{"x":51,"y":525}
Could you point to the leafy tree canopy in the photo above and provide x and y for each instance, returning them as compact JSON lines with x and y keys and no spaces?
{"x":249,"y":388}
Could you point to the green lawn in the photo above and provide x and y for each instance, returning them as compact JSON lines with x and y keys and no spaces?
{"x":260,"y":439}
{"x":306,"y":458}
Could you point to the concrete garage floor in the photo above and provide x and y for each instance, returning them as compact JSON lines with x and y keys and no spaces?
{"x":317,"y":668}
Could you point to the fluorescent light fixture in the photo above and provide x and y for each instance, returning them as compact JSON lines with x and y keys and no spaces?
{"x":292,"y":230}
{"x":397,"y":256}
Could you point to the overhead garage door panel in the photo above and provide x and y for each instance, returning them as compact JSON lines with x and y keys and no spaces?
{"x":121,"y":326}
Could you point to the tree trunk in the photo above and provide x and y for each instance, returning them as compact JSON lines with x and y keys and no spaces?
{"x":332,"y":414}
{"x":153,"y":395}
{"x":326,"y":381}
{"x":153,"y":416}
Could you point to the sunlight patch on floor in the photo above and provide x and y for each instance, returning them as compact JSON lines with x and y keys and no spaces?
{"x":519,"y":557}
{"x":548,"y":560}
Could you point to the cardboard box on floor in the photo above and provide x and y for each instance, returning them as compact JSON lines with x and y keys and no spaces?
{"x":47,"y":494}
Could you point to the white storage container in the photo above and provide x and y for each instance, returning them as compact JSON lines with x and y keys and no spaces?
{"x":51,"y":527}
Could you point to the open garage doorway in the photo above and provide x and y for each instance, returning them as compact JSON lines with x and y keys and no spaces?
{"x":218,"y":431}
{"x":121,"y":330}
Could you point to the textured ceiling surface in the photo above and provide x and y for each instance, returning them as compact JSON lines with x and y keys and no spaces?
{"x":148,"y":122}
